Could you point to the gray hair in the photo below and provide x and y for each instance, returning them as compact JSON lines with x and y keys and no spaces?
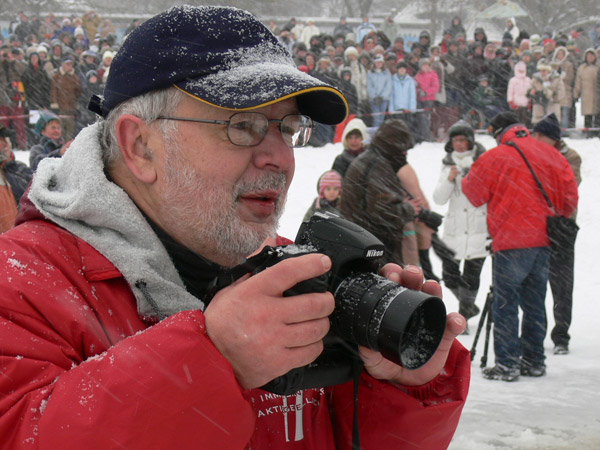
{"x":148,"y":107}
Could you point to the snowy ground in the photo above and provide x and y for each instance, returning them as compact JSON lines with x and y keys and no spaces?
{"x":557,"y":412}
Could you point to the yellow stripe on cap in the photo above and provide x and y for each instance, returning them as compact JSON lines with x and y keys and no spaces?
{"x":270,"y":102}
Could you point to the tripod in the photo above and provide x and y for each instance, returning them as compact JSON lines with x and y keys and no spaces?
{"x":486,"y":318}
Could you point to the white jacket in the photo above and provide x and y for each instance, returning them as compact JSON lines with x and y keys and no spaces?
{"x":465,"y":228}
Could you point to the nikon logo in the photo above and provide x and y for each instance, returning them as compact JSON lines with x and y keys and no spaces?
{"x":374,"y":253}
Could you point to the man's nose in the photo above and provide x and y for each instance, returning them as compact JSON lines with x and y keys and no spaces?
{"x":273,"y":151}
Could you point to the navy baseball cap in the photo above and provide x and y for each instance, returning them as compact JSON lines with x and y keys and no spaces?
{"x":221,"y":56}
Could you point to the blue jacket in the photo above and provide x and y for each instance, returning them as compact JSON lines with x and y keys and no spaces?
{"x":404,"y":93}
{"x":379,"y":84}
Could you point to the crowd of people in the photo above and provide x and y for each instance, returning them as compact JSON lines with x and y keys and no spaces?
{"x":49,"y":63}
{"x":437,"y":83}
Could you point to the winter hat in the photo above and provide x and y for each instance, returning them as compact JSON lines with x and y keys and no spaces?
{"x":378,"y":58}
{"x":535,"y":39}
{"x":328,"y":179}
{"x":461,"y":128}
{"x":350,"y":51}
{"x":91,"y":73}
{"x":355,"y":124}
{"x":42,"y":49}
{"x":549,"y":127}
{"x":501,"y":121}
{"x":424,"y":61}
{"x":543,"y":65}
{"x":402,"y":64}
{"x":45,"y":117}
{"x":222,"y":56}
{"x":78,"y":32}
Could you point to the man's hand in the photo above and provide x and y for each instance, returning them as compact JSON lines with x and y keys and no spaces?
{"x":379,"y":367}
{"x":263,"y":334}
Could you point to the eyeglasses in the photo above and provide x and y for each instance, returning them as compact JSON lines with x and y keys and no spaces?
{"x":247,"y":129}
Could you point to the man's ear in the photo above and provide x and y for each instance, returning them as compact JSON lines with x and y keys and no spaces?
{"x":133,"y":135}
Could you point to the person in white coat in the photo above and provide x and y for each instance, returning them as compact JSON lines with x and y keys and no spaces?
{"x":465,"y":228}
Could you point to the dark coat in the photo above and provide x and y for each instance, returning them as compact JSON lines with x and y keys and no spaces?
{"x":374,"y":197}
{"x":45,"y":149}
{"x":18,"y":175}
{"x":37,"y":87}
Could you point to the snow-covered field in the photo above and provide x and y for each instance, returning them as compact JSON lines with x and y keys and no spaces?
{"x":557,"y":412}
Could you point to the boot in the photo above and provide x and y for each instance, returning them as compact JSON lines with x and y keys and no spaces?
{"x":466,"y":299}
{"x":426,"y":265}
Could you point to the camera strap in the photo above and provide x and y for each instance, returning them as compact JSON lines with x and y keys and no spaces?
{"x":233,"y":274}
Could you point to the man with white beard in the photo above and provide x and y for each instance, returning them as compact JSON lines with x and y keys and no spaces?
{"x":109,"y":336}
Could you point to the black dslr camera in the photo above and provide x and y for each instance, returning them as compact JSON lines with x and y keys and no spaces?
{"x":406,"y":326}
{"x":431,"y":219}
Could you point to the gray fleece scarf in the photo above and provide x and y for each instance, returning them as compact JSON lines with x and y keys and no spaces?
{"x":73,"y":192}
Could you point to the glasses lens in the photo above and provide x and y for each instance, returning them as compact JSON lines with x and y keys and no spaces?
{"x":296,"y":129}
{"x":247,"y":129}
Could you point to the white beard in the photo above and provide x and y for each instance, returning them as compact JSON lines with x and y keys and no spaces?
{"x":205,"y":213}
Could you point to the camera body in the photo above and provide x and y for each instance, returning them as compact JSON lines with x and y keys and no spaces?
{"x":405,"y":326}
{"x":431,"y":219}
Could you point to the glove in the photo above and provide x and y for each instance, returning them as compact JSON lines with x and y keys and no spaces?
{"x":512,"y":105}
{"x":53,"y":105}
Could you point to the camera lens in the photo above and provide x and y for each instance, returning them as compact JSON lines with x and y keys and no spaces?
{"x":406,"y":326}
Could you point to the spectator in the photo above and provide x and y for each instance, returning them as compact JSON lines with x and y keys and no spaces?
{"x":389,"y":27}
{"x":456,"y":27}
{"x":348,"y":89}
{"x":423,"y":44}
{"x":586,"y":89}
{"x":12,"y":96}
{"x":354,"y":137}
{"x":48,"y":128}
{"x":364,"y":29}
{"x":90,"y":21}
{"x":398,"y":48}
{"x":546,"y":93}
{"x":427,"y":87}
{"x":511,"y":28}
{"x":381,"y":205}
{"x":404,"y":91}
{"x":91,"y":86}
{"x":36,"y":84}
{"x":562,"y":65}
{"x":65,"y":91}
{"x":359,"y":77}
{"x":465,"y":229}
{"x":479,"y":39}
{"x":342,"y":29}
{"x":516,"y":219}
{"x":8,"y":202}
{"x":329,"y":188}
{"x":562,"y":257}
{"x":516,"y":95}
{"x":104,"y":66}
{"x":379,"y":88}
{"x":131,"y":255}
{"x":308,"y":32}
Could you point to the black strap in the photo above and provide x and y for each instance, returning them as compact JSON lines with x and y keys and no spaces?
{"x":537,"y":181}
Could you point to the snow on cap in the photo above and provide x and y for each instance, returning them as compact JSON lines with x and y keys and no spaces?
{"x":222,"y":56}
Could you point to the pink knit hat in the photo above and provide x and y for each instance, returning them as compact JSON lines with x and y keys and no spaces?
{"x":330,"y":178}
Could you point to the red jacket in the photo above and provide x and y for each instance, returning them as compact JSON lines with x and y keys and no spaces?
{"x":517,"y":210}
{"x":80,"y":369}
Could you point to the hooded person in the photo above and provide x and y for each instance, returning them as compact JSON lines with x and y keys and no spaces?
{"x":516,"y":93}
{"x":546,"y":93}
{"x":465,"y":229}
{"x":329,"y":188}
{"x":374,"y":197}
{"x":123,"y":243}
{"x":354,"y":138}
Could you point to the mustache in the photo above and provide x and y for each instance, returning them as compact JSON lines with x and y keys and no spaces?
{"x":266,"y":182}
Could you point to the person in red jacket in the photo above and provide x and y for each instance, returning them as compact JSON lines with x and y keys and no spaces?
{"x":516,"y":219}
{"x":108,"y":335}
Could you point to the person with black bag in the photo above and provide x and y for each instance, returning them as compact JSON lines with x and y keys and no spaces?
{"x":562,"y":258}
{"x":504,"y":178}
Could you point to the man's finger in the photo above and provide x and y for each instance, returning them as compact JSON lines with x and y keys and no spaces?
{"x":277,"y":279}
